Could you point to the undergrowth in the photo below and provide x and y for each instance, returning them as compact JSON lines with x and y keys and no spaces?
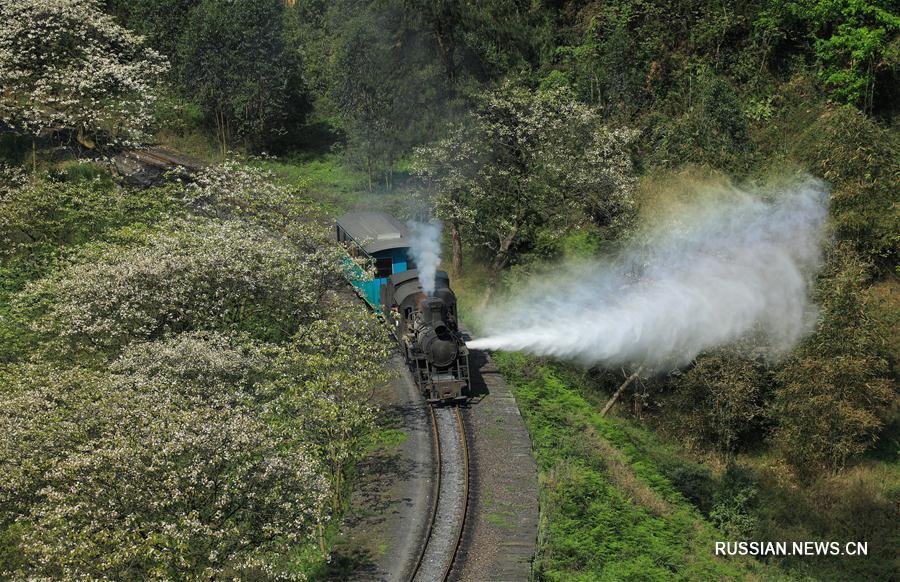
{"x":607,"y":510}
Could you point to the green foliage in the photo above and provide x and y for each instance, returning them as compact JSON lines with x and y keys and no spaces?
{"x":160,"y":21}
{"x":233,"y":62}
{"x":854,"y":43}
{"x":44,"y":220}
{"x":722,"y":400}
{"x":376,"y":83}
{"x":197,"y":395}
{"x":529,"y":165}
{"x":859,"y":504}
{"x":173,"y":282}
{"x":695,"y":482}
{"x":394,"y":71}
{"x":604,"y":519}
{"x":859,"y":158}
{"x":120,"y":475}
{"x":702,"y":122}
{"x":834,"y":392}
{"x":735,"y":504}
{"x":71,"y":207}
{"x":606,"y":68}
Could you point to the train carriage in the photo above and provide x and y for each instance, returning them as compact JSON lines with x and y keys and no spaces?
{"x":382,"y":239}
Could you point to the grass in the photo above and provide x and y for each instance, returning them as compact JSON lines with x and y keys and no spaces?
{"x":194,"y":143}
{"x":334,"y":186}
{"x":618,"y":502}
{"x":607,"y":510}
{"x":501,"y":519}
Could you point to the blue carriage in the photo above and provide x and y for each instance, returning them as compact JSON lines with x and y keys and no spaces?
{"x":380,"y":238}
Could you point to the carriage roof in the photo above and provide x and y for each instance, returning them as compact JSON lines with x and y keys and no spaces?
{"x":375,"y":231}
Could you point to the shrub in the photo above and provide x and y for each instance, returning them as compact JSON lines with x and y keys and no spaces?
{"x":834,"y":392}
{"x":860,"y":159}
{"x":735,"y":503}
{"x":326,"y":378}
{"x":210,"y":366}
{"x":235,"y":190}
{"x":187,"y":275}
{"x":37,"y":218}
{"x":725,"y":396}
{"x":703,"y":123}
{"x":851,"y":41}
{"x":109,"y":477}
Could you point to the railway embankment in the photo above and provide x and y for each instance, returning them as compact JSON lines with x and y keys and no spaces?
{"x":501,"y":527}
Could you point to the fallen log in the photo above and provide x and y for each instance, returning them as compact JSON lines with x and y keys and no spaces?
{"x":618,"y":392}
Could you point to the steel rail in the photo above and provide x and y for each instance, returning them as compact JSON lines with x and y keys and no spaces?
{"x":456,"y":541}
{"x":436,"y":491}
{"x":465,"y":493}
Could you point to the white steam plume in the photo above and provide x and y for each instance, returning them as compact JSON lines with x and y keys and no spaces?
{"x":425,"y":248}
{"x":729,"y":268}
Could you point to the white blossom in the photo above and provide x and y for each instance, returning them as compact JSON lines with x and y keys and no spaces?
{"x":64,"y":64}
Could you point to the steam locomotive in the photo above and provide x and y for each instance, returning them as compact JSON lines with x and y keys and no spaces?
{"x":426,"y":326}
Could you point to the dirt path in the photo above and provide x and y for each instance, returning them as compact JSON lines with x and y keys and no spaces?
{"x":385,"y":529}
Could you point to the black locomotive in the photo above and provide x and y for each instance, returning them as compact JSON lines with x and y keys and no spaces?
{"x":426,"y":326}
{"x":428,"y":332}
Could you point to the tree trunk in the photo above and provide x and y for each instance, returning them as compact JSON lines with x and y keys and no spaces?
{"x":497,"y":264}
{"x":222,"y":130}
{"x":457,"y":249}
{"x":618,"y":392}
{"x":34,"y":155}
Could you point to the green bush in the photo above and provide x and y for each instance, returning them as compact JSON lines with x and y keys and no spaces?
{"x":702,"y":123}
{"x":859,"y":158}
{"x":721,"y":401}
{"x":735,"y":504}
{"x":834,"y":393}
{"x":851,"y":41}
{"x":73,"y":205}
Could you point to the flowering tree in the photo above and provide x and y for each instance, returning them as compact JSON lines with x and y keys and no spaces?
{"x":236,"y":190}
{"x":529,"y":164}
{"x":201,"y":389}
{"x":140,"y":475}
{"x":188,"y":275}
{"x":64,"y":64}
{"x":326,"y":381}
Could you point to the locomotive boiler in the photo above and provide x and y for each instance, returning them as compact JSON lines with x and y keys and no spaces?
{"x":425,"y":326}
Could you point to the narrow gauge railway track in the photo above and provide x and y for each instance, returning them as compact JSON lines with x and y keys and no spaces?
{"x":163,"y":159}
{"x":451,"y":501}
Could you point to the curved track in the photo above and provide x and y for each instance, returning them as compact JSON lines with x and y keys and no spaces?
{"x":451,"y":502}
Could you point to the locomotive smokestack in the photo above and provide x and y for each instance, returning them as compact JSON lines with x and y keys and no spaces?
{"x":433,"y":313}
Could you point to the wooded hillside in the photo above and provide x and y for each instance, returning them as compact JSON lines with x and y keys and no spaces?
{"x":183,"y":394}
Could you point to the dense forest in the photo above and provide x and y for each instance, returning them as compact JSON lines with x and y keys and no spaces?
{"x":185,"y":394}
